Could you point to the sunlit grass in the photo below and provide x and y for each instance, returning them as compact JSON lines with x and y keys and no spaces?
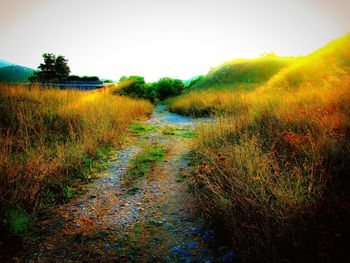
{"x":50,"y":137}
{"x":248,"y":72}
{"x":275,"y":167}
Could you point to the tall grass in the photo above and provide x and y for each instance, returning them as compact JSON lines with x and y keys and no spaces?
{"x":272,"y":175}
{"x":49,"y":137}
{"x":211,"y":102}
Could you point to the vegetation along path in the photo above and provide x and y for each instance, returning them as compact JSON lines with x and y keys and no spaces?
{"x":139,"y":209}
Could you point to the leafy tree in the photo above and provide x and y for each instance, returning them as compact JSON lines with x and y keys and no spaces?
{"x":61,"y":68}
{"x":84,"y":78}
{"x":73,"y":78}
{"x":46,"y":70}
{"x":150,"y":91}
{"x":168,"y":87}
{"x":92,"y":78}
{"x":123,"y":78}
{"x":135,"y":88}
{"x":53,"y":69}
{"x":165,"y":87}
{"x":194,"y":81}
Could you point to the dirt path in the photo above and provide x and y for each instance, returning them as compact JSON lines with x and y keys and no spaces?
{"x":152,"y":221}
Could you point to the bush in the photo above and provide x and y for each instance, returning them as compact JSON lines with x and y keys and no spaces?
{"x":164,"y":88}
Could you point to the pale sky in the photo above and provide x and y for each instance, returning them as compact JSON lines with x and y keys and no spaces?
{"x":157,"y":38}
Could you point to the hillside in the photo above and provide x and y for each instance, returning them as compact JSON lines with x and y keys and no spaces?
{"x":4,"y":63}
{"x":322,"y":67}
{"x":279,"y":157}
{"x":15,"y":74}
{"x":244,"y":71}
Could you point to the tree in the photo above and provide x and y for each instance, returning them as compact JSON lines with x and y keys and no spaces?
{"x":52,"y":70}
{"x":194,"y":81}
{"x":61,"y":68}
{"x":160,"y":90}
{"x":89,"y":78}
{"x":136,"y":87}
{"x":123,"y":78}
{"x":168,"y":87}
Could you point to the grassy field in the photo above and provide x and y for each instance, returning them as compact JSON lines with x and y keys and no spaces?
{"x":50,"y":138}
{"x":273,"y":174}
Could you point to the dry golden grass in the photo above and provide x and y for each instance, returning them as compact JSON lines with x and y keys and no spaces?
{"x":50,"y":136}
{"x":272,"y":174}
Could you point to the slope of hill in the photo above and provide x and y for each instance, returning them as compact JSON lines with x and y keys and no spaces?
{"x":15,"y":74}
{"x":244,"y":71}
{"x":273,"y":175}
{"x":4,"y":63}
{"x":323,"y":66}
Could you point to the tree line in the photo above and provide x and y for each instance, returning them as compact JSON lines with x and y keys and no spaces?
{"x":159,"y":90}
{"x":56,"y":70}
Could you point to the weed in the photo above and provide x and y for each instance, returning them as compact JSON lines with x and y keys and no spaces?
{"x":142,"y":128}
{"x":184,"y":132}
{"x":18,"y":220}
{"x":143,"y":163}
{"x":67,"y":192}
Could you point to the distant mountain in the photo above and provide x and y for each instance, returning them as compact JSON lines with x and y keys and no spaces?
{"x":4,"y":63}
{"x":14,"y":73}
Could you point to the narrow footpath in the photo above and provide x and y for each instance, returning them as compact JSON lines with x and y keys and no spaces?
{"x":154,"y":220}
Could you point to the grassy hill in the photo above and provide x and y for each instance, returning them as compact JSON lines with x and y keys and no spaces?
{"x":15,"y":74}
{"x":247,"y":72}
{"x":273,"y":174}
{"x":330,"y":61}
{"x":320,"y":68}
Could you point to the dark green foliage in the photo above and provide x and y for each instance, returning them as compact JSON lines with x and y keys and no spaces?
{"x":15,"y":74}
{"x":136,"y":88}
{"x":73,"y":78}
{"x":61,"y":68}
{"x":164,"y":88}
{"x":194,"y":81}
{"x":54,"y":69}
{"x":168,"y":87}
{"x":92,"y":78}
{"x":18,"y":220}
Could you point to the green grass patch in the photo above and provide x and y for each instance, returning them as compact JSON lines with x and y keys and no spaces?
{"x":18,"y":220}
{"x":143,"y":163}
{"x":184,"y":132}
{"x":142,"y":128}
